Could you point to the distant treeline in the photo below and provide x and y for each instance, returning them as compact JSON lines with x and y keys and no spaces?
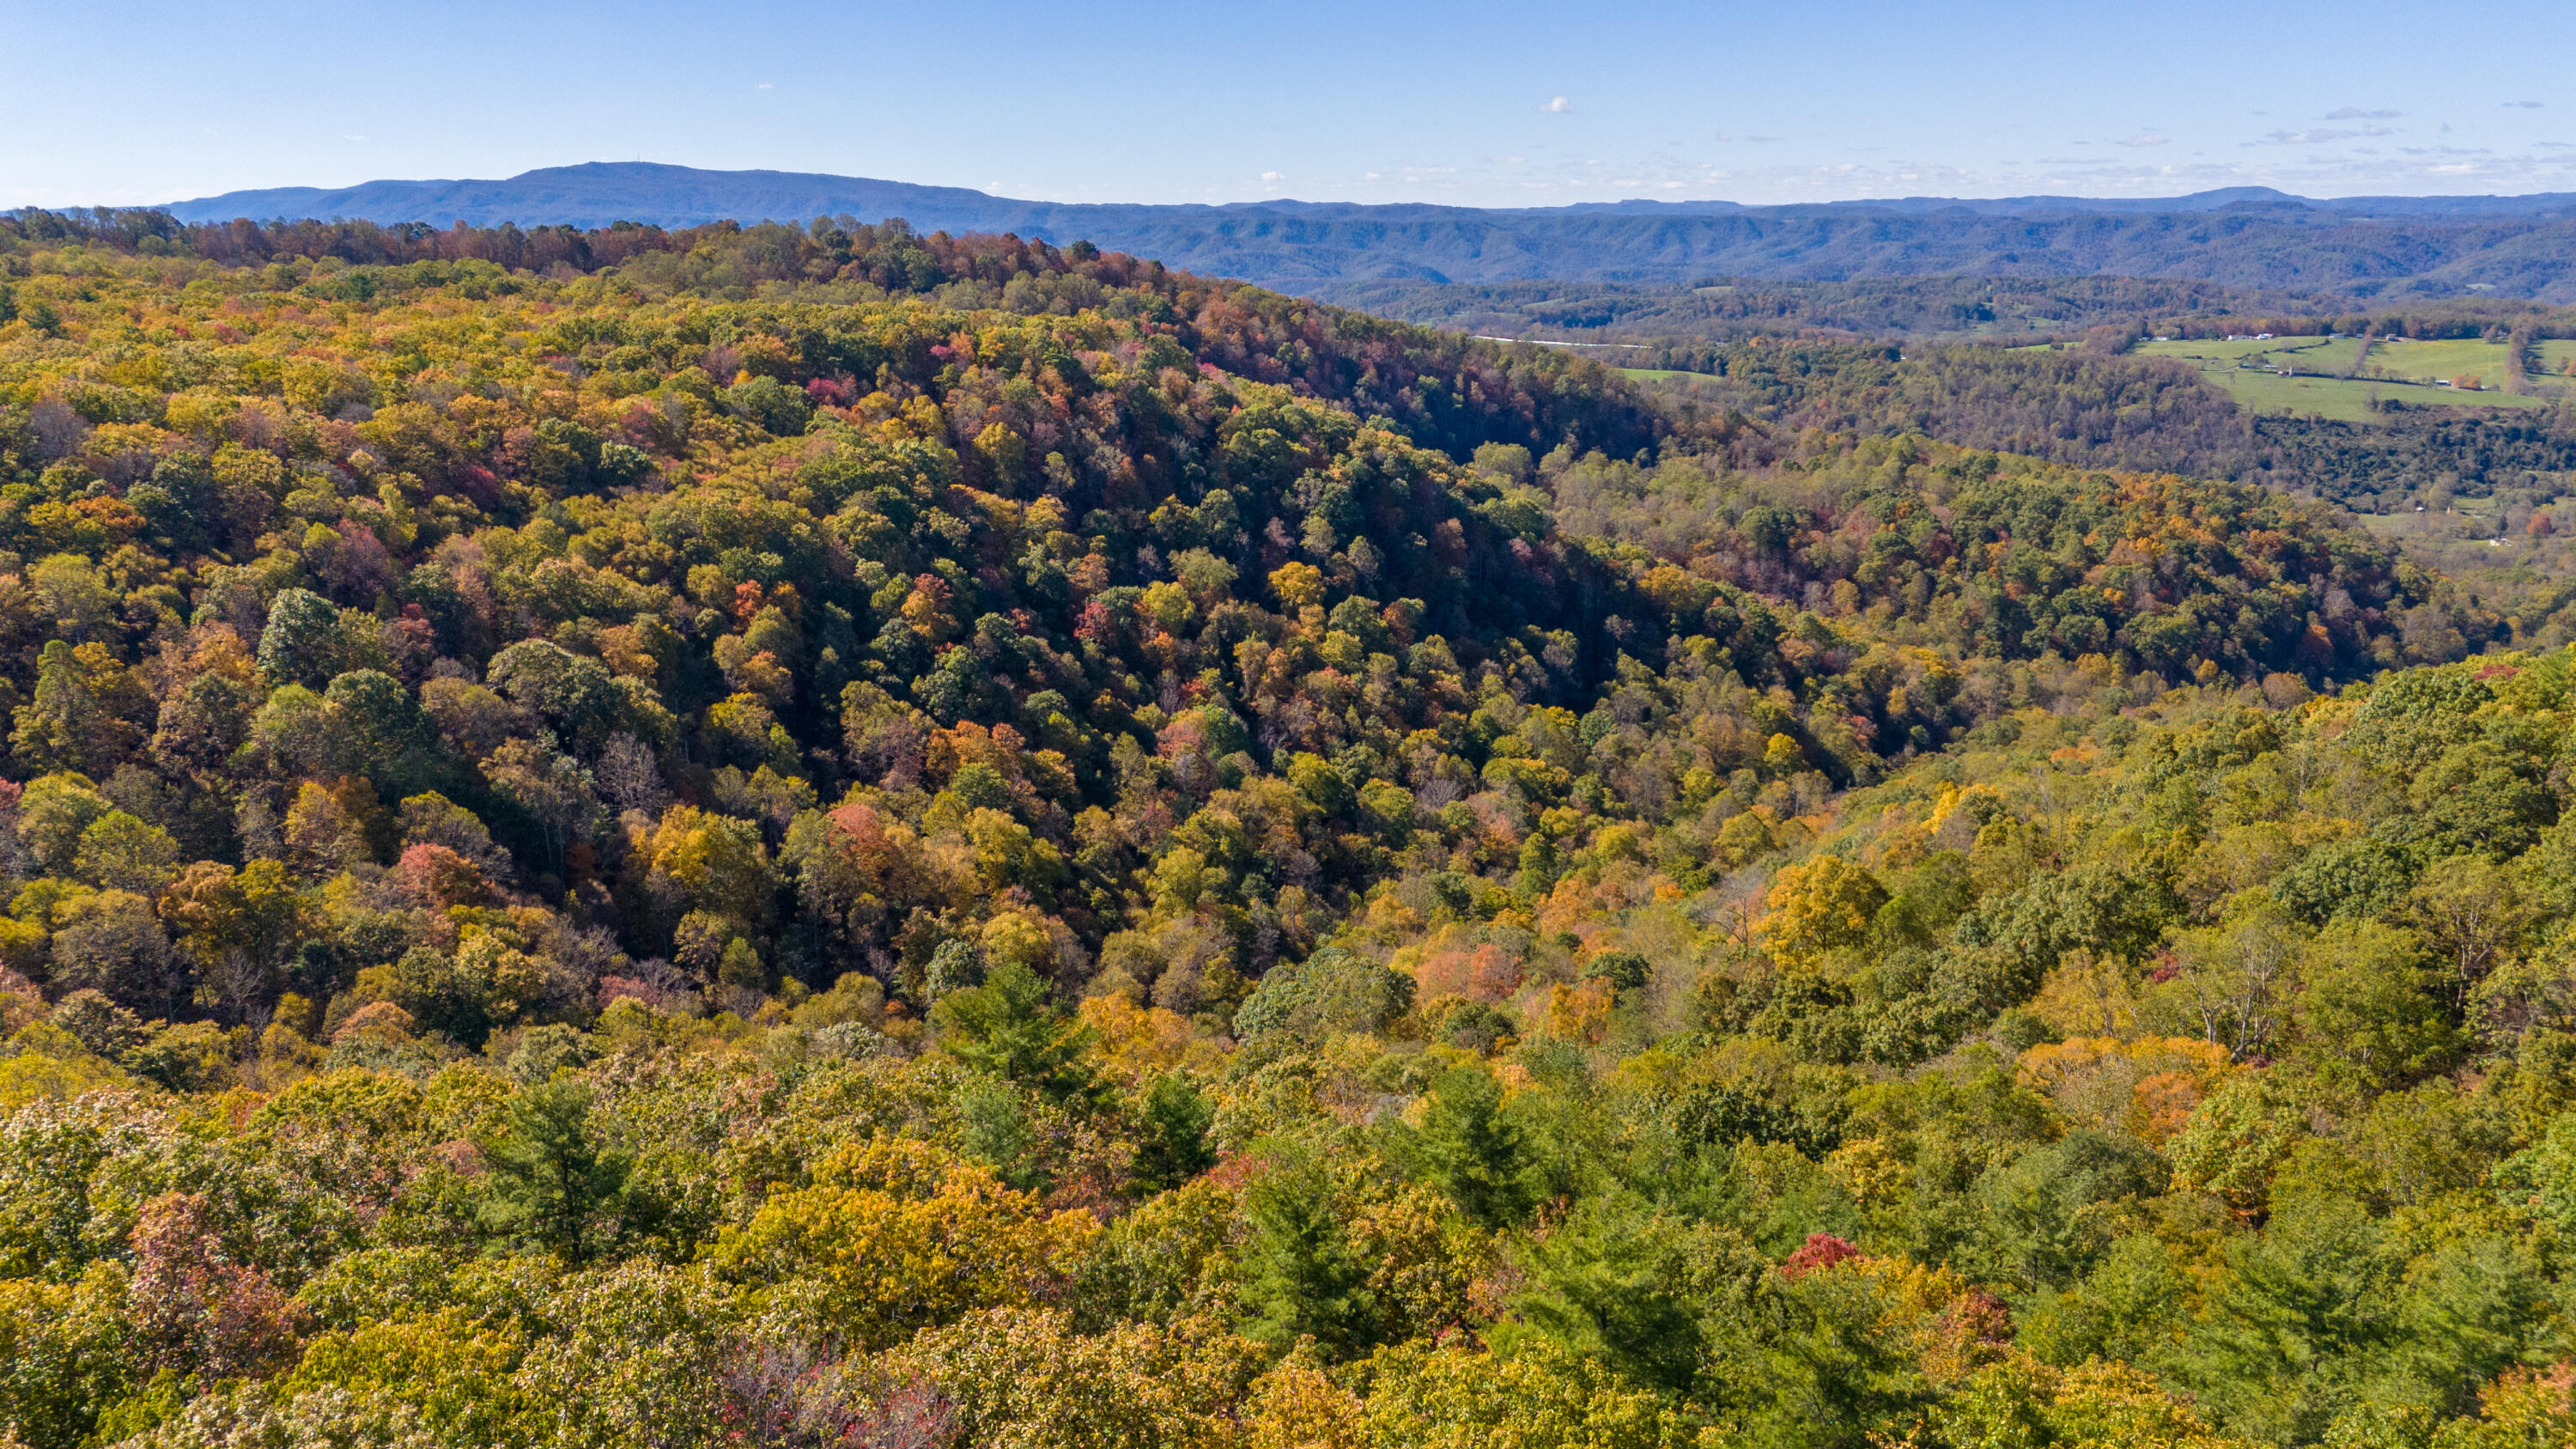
{"x":1729,"y":309}
{"x":2092,"y":408}
{"x":888,"y":253}
{"x":1681,"y":322}
{"x":2088,"y":409}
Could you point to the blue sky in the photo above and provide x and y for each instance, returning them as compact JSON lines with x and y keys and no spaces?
{"x":1499,"y":103}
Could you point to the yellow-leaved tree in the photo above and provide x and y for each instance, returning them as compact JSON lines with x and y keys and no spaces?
{"x":895,"y":1236}
{"x":1824,"y":905}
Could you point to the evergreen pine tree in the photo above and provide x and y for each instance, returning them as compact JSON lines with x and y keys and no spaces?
{"x":1300,"y":1278}
{"x":1172,"y":1144}
{"x":554,"y":1186}
{"x":1474,"y":1150}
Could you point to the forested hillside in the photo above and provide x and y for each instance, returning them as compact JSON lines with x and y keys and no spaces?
{"x":1722,"y":309}
{"x":819,"y":836}
{"x":2093,"y":406}
{"x":2289,"y":1025}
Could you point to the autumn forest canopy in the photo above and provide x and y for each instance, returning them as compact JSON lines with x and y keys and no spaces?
{"x":827,"y":836}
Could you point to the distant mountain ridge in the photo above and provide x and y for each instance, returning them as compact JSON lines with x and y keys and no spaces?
{"x":2239,"y":236}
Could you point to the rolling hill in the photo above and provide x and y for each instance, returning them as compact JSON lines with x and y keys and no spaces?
{"x":820,"y":836}
{"x":2246,"y":236}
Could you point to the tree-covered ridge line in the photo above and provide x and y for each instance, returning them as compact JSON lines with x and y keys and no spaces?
{"x":2093,"y":407}
{"x":775,"y":251}
{"x":2367,"y":246}
{"x":1665,"y":326}
{"x":1708,"y":310}
{"x":698,"y":855}
{"x":2439,"y":482}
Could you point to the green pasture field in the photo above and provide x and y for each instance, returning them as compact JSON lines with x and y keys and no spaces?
{"x":1655,"y":374}
{"x":2317,"y":352}
{"x":2434,"y":361}
{"x":2555,"y":357}
{"x":2325,"y":397}
{"x":2319,"y":363}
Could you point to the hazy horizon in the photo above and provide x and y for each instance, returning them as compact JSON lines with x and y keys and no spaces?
{"x":1496,"y":105}
{"x":1316,"y":200}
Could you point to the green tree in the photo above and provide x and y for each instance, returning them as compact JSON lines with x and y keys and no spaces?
{"x":2281,"y":1346}
{"x":53,"y":814}
{"x":1474,"y":1150}
{"x":119,"y":852}
{"x":1630,"y":1283}
{"x":1009,"y":1027}
{"x":304,"y":641}
{"x":551,"y":789}
{"x":639,"y":1358}
{"x":66,"y":1351}
{"x":572,"y":692}
{"x":1172,"y":1120}
{"x":2127,"y":1309}
{"x":555,"y":1185}
{"x":110,"y":941}
{"x":483,"y":983}
{"x":2477,"y":1305}
{"x":2370,"y":1008}
{"x":379,"y":732}
{"x":2472,"y":915}
{"x":1816,"y":1365}
{"x":2049,"y":1213}
{"x":1300,"y":1278}
{"x":451,"y":1371}
{"x":2232,"y":982}
{"x":68,"y":726}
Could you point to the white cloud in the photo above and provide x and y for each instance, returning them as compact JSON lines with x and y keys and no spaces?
{"x":1272,"y":176}
{"x":2356,"y":113}
{"x":2310,"y":137}
{"x":764,"y":86}
{"x":2522,"y":105}
{"x":1558,"y":106}
{"x":2144,"y":138}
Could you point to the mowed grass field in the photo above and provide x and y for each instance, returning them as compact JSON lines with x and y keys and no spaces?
{"x":2321,"y":354}
{"x":2397,"y":371}
{"x":2555,"y":360}
{"x":2434,"y":361}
